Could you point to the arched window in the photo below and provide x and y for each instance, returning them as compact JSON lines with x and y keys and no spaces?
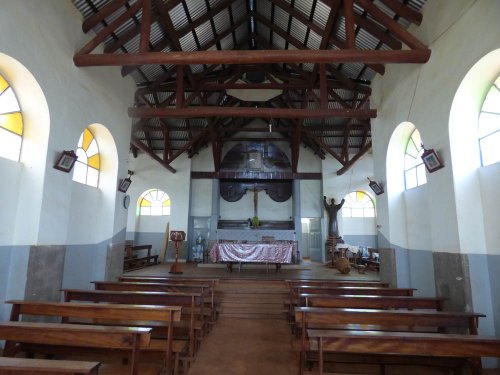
{"x":414,"y":166}
{"x":489,"y":126}
{"x":154,"y":203}
{"x":358,"y":204}
{"x":87,"y":166}
{"x":11,"y":122}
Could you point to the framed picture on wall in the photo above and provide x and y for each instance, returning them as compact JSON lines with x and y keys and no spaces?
{"x":124,"y":185}
{"x":431,"y":160}
{"x":66,"y":161}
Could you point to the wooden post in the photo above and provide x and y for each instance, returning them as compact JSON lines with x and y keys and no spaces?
{"x":165,"y":244}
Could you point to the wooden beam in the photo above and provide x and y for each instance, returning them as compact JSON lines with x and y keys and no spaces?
{"x":350,"y":35}
{"x":146,"y":26}
{"x":254,"y":57}
{"x":367,"y":147}
{"x":137,"y":143}
{"x":104,"y":33}
{"x":250,"y":112}
{"x":394,"y":27}
{"x":404,"y":11}
{"x":107,"y":10}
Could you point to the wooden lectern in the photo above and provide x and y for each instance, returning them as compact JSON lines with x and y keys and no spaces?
{"x":177,"y":237}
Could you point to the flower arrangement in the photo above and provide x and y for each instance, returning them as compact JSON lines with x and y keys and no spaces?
{"x":255,"y":222}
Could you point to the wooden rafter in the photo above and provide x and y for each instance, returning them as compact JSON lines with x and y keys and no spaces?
{"x":312,"y":104}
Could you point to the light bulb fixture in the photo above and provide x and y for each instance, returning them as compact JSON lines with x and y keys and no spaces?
{"x":270,"y":127}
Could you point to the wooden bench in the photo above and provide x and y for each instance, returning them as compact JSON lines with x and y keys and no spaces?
{"x":132,"y":261}
{"x":31,"y":366}
{"x":296,"y":290}
{"x":371,"y":302}
{"x":419,"y":345}
{"x":179,"y":280}
{"x":343,"y":319}
{"x":20,"y":336}
{"x":113,"y":314}
{"x":204,"y":290}
{"x":189,"y":301}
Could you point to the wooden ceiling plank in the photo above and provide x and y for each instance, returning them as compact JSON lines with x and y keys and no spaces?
{"x":138,"y":143}
{"x":254,"y":57}
{"x":106,"y":11}
{"x":399,"y":31}
{"x":104,"y":33}
{"x":250,"y":112}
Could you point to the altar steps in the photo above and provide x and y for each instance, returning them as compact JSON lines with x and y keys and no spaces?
{"x":252,"y":299}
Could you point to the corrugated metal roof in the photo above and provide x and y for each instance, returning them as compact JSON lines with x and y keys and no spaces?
{"x":216,"y":32}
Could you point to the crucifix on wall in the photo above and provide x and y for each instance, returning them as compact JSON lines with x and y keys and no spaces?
{"x":255,"y":219}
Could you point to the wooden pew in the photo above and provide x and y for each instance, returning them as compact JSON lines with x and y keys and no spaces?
{"x":179,"y":280}
{"x":113,"y":314}
{"x":371,"y":302}
{"x":132,"y":262}
{"x":336,"y":283}
{"x":192,"y":301}
{"x":31,"y":366}
{"x":419,"y":345}
{"x":352,"y":290}
{"x":20,"y":335}
{"x":343,"y":319}
{"x":203,"y":289}
{"x":295,"y":290}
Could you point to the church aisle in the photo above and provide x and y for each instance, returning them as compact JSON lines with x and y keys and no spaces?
{"x":246,"y":347}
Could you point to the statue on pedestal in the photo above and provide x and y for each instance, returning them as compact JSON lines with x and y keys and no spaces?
{"x":333,"y":209}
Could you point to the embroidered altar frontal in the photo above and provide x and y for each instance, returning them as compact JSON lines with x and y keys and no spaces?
{"x":256,"y":252}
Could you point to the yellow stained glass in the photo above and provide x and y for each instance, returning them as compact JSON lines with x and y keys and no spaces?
{"x":87,"y":139}
{"x":12,"y":122}
{"x":3,"y":84}
{"x":166,"y":203}
{"x":94,"y":161}
{"x":145,"y":203}
{"x":359,"y":196}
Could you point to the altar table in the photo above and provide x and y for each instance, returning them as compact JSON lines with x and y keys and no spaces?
{"x":277,"y":253}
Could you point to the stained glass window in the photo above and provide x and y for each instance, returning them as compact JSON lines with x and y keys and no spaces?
{"x":11,"y":122}
{"x":155,"y":203}
{"x":358,"y":204}
{"x":88,"y":164}
{"x":414,"y":166}
{"x":489,"y":126}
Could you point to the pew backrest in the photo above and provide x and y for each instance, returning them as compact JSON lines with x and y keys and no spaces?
{"x":17,"y":334}
{"x":36,"y":366}
{"x":193,"y":302}
{"x":370,"y":302}
{"x":111,"y":314}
